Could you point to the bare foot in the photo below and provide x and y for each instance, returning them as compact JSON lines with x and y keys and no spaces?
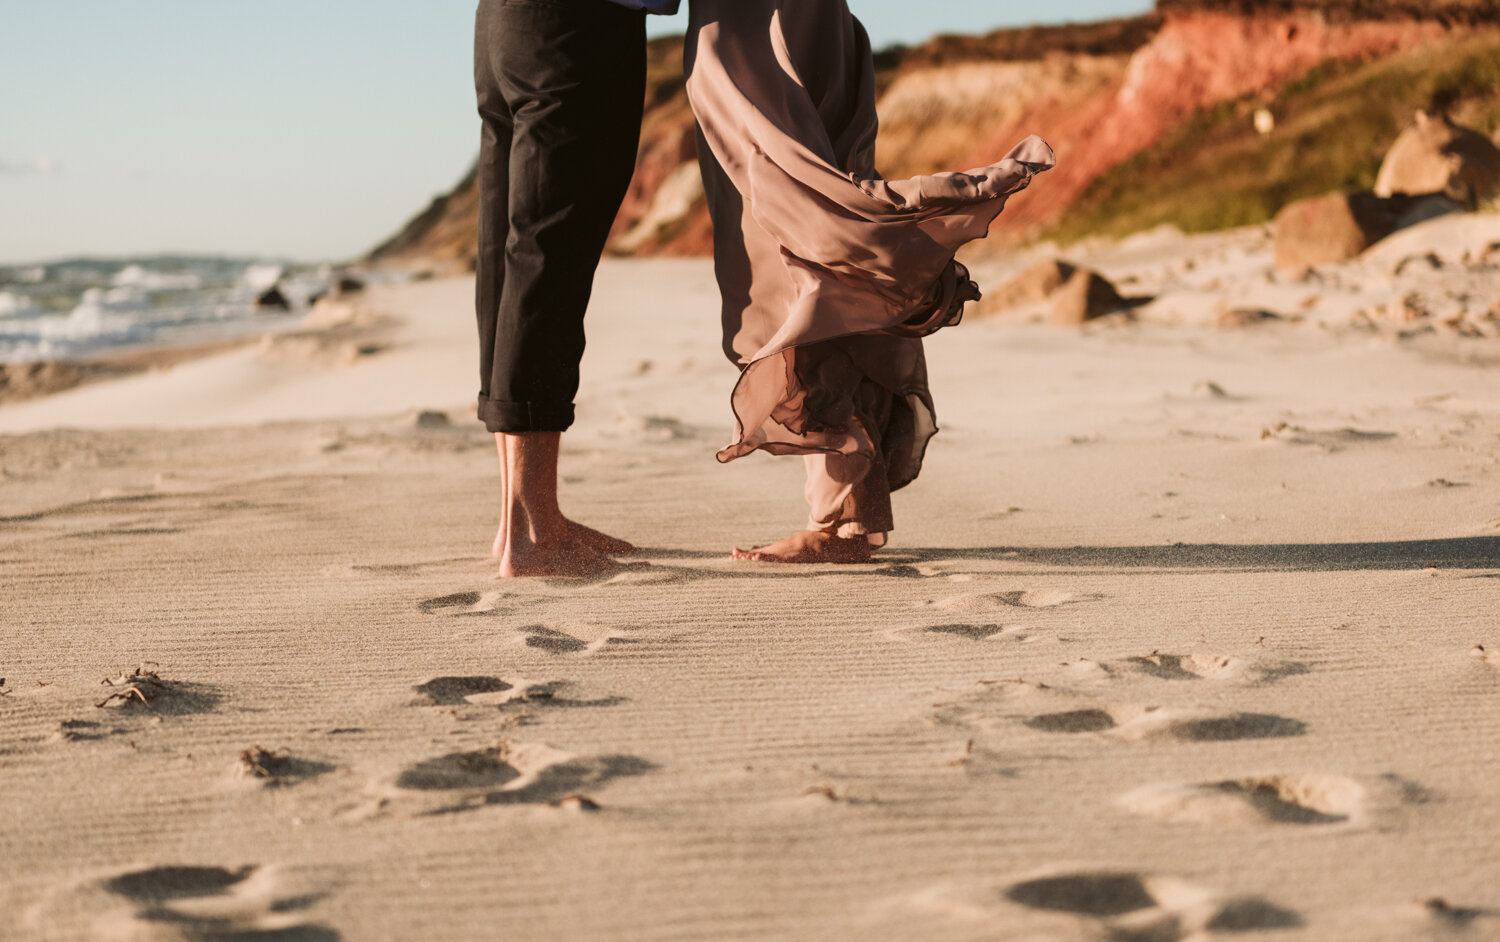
{"x":809,"y":546}
{"x":577,"y":533}
{"x":535,"y":539}
{"x":568,"y":558}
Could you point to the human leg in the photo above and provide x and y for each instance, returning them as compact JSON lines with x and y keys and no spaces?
{"x":573,"y":82}
{"x":848,"y":494}
{"x":849,"y":500}
{"x":560,"y":107}
{"x":535,"y":538}
{"x":576,"y":532}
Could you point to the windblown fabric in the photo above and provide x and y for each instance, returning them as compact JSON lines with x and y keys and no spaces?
{"x":815,"y":254}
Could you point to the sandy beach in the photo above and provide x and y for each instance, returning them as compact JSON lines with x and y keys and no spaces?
{"x":1184,"y":633}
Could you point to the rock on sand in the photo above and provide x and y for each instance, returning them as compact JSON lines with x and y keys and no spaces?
{"x":1435,"y":155}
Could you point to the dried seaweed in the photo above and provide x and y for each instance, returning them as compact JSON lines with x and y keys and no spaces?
{"x":140,"y":686}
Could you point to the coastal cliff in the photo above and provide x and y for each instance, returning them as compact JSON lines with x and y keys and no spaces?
{"x":1203,"y":114}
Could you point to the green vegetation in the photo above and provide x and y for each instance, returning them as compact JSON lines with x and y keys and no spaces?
{"x":1333,"y":127}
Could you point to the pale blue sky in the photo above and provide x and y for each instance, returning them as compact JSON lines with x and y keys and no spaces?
{"x":309,"y":129}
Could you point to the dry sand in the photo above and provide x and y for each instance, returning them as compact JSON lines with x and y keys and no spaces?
{"x":1176,"y":640}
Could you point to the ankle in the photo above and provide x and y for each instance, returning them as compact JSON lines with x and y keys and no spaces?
{"x":536,"y":526}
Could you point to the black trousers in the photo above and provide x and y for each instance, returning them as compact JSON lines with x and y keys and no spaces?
{"x":561,"y":86}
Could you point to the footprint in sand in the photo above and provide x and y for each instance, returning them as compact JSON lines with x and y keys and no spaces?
{"x":1085,"y":670}
{"x":966,"y":631}
{"x":992,"y":706}
{"x":1280,"y":799}
{"x":1330,"y":440}
{"x":459,"y":770}
{"x":552,"y":640}
{"x":117,"y":514}
{"x":1144,"y":908}
{"x":456,"y":691}
{"x":974,"y":632}
{"x":1150,"y":723}
{"x":1073,"y":721}
{"x":570,"y":638}
{"x":911,"y":569}
{"x":1275,"y":799}
{"x":408,"y":570}
{"x":492,"y":691}
{"x":555,"y":639}
{"x":1250,"y":671}
{"x":208,"y":904}
{"x":470,"y":604}
{"x":652,"y":576}
{"x":85,"y":731}
{"x":980,"y":603}
{"x":1214,"y":667}
{"x":512,"y":774}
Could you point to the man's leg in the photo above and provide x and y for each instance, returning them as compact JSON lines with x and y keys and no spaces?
{"x":537,"y":539}
{"x":573,"y":86}
{"x":505,"y":446}
{"x":493,"y":171}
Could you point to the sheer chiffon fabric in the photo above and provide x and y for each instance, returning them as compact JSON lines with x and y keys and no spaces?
{"x":817,"y":257}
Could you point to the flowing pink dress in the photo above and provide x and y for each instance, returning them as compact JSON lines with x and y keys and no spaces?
{"x":817,"y":257}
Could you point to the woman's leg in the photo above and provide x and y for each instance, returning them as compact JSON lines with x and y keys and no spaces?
{"x":848,"y":499}
{"x":850,"y":506}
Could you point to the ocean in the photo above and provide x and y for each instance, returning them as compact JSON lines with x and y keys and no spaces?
{"x":81,"y":308}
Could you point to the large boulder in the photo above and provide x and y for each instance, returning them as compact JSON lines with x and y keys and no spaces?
{"x":1434,"y":155}
{"x":1336,"y":227}
{"x":1330,"y":228}
{"x":1083,"y":297}
{"x":1033,"y":286}
{"x":1026,"y":291}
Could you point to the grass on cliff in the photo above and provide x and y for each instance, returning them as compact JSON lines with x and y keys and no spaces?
{"x":1333,"y":127}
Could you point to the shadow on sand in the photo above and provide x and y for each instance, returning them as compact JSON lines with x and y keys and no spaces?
{"x":1479,"y":552}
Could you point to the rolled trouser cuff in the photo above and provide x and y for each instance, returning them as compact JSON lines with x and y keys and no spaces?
{"x":515,"y":417}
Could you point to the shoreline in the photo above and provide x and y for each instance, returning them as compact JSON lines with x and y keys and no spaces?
{"x":36,"y":379}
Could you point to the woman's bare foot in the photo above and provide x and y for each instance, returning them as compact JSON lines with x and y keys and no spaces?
{"x":809,"y":546}
{"x":577,"y":533}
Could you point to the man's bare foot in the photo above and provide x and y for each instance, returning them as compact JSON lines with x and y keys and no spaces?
{"x":577,"y":533}
{"x":568,"y":558}
{"x":809,"y":546}
{"x":535,"y":539}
